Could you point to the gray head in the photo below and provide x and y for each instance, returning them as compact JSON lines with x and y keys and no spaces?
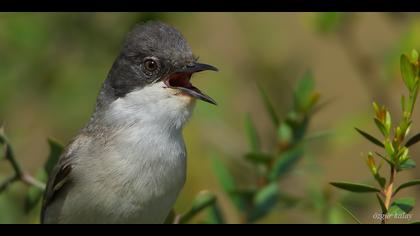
{"x":153,"y":52}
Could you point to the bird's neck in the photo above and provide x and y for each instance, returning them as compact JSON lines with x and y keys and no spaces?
{"x":148,"y":108}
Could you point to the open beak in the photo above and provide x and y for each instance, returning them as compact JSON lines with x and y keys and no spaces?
{"x":180,"y":79}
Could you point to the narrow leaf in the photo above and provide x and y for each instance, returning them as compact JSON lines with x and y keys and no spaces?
{"x":253,"y":138}
{"x":408,"y":164}
{"x":414,"y":55}
{"x":406,"y":185}
{"x":285,"y":132}
{"x":55,"y":151}
{"x":258,"y":158}
{"x":407,"y":72}
{"x":318,"y":135}
{"x":264,"y":202}
{"x":384,"y":158}
{"x":285,"y":163}
{"x":413,"y":140}
{"x":351,"y":215}
{"x":402,"y":206}
{"x":370,"y":138}
{"x":214,"y":215}
{"x":354,"y":187}
{"x":381,"y":127}
{"x":269,"y":106}
{"x":227,"y":182}
{"x":34,"y":194}
{"x":303,"y":92}
{"x":201,"y":202}
{"x":381,"y":180}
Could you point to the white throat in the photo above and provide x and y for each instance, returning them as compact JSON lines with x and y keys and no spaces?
{"x":155,"y":105}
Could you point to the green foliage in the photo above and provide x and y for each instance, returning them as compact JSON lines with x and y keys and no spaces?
{"x":402,"y":206}
{"x":407,"y":184}
{"x":285,"y":163}
{"x":264,"y":201}
{"x":370,"y":138}
{"x":394,"y":144}
{"x":356,"y":188}
{"x":34,"y":194}
{"x":256,"y":201}
{"x":327,"y":22}
{"x":254,"y":140}
{"x":269,"y":106}
{"x":413,"y":140}
{"x":351,"y":215}
{"x":228,"y":183}
{"x":202,"y":201}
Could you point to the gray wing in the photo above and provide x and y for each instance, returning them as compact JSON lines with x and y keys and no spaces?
{"x":59,"y":177}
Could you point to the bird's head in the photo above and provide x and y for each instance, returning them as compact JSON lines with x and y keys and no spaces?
{"x":153,"y":72}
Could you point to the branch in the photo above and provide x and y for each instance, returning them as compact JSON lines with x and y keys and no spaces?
{"x":19,"y":174}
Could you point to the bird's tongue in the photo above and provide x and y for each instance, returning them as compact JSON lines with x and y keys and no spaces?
{"x":182,"y":82}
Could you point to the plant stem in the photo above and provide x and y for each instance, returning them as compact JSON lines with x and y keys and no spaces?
{"x":388,"y":191}
{"x":19,"y":174}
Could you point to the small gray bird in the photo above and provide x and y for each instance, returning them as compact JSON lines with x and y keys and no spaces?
{"x":128,"y":164}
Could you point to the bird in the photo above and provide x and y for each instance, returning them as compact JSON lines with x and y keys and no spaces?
{"x":127,"y":165}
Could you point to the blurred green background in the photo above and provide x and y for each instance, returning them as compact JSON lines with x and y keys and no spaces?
{"x":52,"y":66}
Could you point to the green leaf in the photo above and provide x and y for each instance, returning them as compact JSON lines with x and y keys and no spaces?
{"x":404,"y":104}
{"x":414,"y":55}
{"x":34,"y":194}
{"x":300,"y":130}
{"x":413,"y":140}
{"x":351,"y":215}
{"x":381,"y":204}
{"x":370,"y":138}
{"x":381,"y":127}
{"x":414,"y":223}
{"x":303,"y":92}
{"x":227,"y":182}
{"x":264,"y":201}
{"x":389,"y":148}
{"x":269,"y":106}
{"x":3,"y":142}
{"x":318,"y":135}
{"x":55,"y":151}
{"x":381,"y":180}
{"x":408,"y":72}
{"x":254,"y":139}
{"x":258,"y":158}
{"x":327,"y":22}
{"x":385,"y":159}
{"x":406,"y":185}
{"x":408,"y":164}
{"x":402,"y":206}
{"x":285,"y":163}
{"x":214,"y":215}
{"x":354,"y":187}
{"x":201,"y":202}
{"x":285,"y":132}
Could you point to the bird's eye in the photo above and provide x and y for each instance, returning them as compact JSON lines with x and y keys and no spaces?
{"x":150,"y":64}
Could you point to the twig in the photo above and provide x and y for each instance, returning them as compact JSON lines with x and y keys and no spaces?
{"x":5,"y":184}
{"x":19,"y":174}
{"x":389,"y":191}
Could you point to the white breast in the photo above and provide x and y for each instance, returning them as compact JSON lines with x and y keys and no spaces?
{"x":138,"y":173}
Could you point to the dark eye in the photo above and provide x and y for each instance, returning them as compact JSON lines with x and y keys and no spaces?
{"x":150,"y":65}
